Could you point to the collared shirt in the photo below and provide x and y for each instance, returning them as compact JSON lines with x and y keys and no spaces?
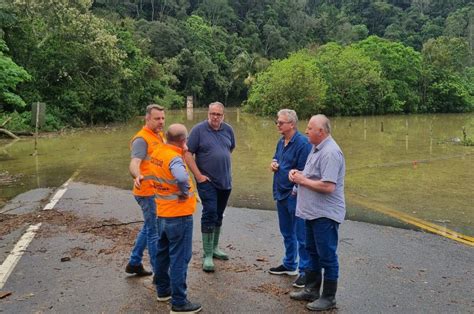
{"x":212,"y":149}
{"x":291,"y":156}
{"x":326,"y":163}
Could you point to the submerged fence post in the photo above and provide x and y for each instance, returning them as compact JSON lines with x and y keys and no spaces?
{"x":406,"y":136}
{"x":189,"y":108}
{"x":431,"y":137}
{"x":38,"y":111}
{"x":365,"y":129}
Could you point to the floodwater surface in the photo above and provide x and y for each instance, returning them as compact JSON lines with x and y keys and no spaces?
{"x":412,"y":165}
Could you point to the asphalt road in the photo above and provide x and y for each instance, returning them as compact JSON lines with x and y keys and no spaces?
{"x":91,"y":228}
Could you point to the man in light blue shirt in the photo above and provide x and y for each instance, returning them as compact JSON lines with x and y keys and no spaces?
{"x":321,"y":203}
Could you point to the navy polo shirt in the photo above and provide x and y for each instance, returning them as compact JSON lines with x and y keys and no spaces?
{"x":293,"y":156}
{"x":212,"y":149}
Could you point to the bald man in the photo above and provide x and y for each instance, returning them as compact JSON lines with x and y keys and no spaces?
{"x":175,"y":202}
{"x":320,"y":201}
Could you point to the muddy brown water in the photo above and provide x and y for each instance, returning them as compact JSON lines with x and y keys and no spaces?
{"x":413,"y":164}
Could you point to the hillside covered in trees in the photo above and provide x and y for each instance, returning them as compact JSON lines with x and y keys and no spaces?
{"x":103,"y":61}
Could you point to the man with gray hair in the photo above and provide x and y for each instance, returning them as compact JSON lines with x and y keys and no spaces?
{"x":291,"y":152}
{"x":212,"y":142}
{"x":321,"y":203}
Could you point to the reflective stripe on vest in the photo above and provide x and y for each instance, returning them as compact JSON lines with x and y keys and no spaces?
{"x":171,"y":197}
{"x":160,"y":180}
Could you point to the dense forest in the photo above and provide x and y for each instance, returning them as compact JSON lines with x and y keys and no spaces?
{"x":103,"y":61}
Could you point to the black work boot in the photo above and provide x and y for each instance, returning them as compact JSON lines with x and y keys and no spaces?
{"x":137,"y":270}
{"x":311,"y":289}
{"x":188,"y":307}
{"x":328,"y":297}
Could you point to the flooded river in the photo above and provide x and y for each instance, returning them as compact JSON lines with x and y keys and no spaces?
{"x":407,"y":165}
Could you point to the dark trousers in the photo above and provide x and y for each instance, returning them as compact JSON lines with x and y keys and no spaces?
{"x":214,"y":202}
{"x":321,"y":244}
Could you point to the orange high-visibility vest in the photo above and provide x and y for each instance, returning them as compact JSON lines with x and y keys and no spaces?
{"x":166,"y":186}
{"x":152,"y":140}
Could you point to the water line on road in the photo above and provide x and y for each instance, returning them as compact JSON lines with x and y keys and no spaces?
{"x":420,"y":223}
{"x":60,"y":192}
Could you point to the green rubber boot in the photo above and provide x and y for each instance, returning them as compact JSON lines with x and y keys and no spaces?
{"x":208,"y":246}
{"x":217,"y":253}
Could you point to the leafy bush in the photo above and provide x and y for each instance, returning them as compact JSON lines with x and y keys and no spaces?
{"x":293,"y":83}
{"x":22,"y":122}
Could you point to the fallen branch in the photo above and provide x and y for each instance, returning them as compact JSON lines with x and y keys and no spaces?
{"x":5,"y":122}
{"x":24,"y":133}
{"x":5,"y":131}
{"x":112,"y":225}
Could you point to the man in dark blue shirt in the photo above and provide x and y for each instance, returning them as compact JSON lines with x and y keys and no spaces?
{"x":212,"y":142}
{"x":291,"y":153}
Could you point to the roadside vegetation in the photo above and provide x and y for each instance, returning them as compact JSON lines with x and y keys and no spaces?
{"x":95,"y":62}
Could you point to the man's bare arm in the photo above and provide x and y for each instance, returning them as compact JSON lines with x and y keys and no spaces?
{"x":134,"y":169}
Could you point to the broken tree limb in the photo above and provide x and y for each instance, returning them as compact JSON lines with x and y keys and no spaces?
{"x":111,"y":225}
{"x":24,"y":133}
{"x":5,"y":122}
{"x":5,"y":131}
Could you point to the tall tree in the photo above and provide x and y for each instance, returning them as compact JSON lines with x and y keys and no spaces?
{"x":11,"y":75}
{"x":447,"y":75}
{"x":401,"y":69}
{"x":355,"y":84}
{"x":294,"y":83}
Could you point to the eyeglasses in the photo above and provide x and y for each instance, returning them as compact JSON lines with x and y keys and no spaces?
{"x":280,"y":123}
{"x":216,"y":114}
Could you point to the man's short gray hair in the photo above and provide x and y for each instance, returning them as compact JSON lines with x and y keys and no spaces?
{"x":291,"y":114}
{"x":149,"y":108}
{"x":216,"y":103}
{"x":325,"y":123}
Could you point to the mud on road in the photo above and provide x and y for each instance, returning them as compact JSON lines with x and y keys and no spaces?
{"x":75,"y":263}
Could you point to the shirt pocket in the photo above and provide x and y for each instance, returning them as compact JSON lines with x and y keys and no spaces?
{"x":313,"y":171}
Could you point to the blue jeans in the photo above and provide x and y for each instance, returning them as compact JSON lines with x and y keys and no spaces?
{"x":147,"y":236}
{"x":292,"y":229}
{"x":321,"y":243}
{"x":214,"y":202}
{"x":175,"y":239}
